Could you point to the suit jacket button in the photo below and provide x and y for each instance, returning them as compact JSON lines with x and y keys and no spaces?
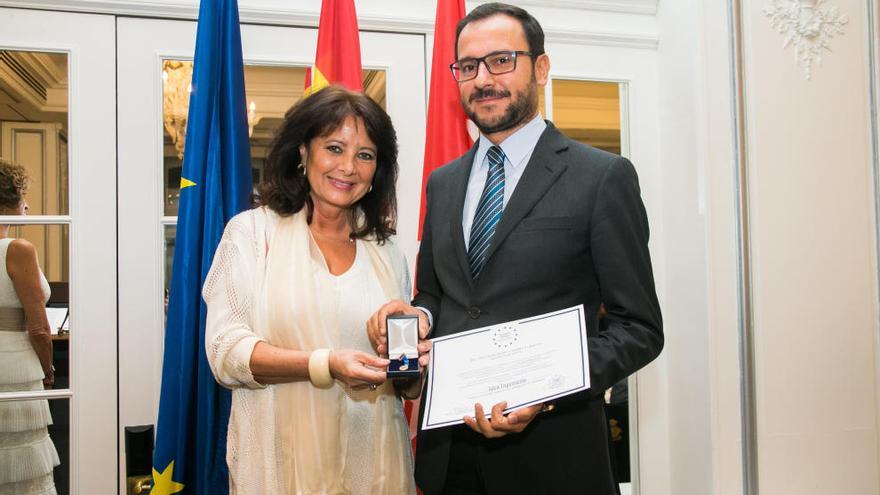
{"x":474,"y":312}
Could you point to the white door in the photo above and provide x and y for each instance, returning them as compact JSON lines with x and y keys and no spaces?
{"x":58,"y":100}
{"x":607,"y":97}
{"x":148,"y":163}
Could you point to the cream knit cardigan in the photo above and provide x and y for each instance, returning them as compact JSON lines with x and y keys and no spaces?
{"x":238,"y":265}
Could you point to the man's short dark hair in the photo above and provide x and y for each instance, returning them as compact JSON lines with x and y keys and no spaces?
{"x":530,"y":25}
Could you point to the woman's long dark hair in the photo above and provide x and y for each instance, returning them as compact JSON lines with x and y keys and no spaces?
{"x":285,"y":188}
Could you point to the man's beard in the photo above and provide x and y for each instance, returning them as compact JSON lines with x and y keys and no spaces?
{"x":521,"y":108}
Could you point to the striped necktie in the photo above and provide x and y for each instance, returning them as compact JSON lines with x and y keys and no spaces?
{"x":488,"y":212}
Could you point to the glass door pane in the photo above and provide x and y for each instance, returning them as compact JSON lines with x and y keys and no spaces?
{"x":590,"y":112}
{"x":34,"y":434}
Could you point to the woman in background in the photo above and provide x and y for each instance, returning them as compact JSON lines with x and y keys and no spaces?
{"x":27,"y":455}
{"x":290,"y":290}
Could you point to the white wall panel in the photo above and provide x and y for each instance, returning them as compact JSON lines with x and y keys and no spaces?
{"x":685,"y":299}
{"x":716,"y":119}
{"x":813,"y":252}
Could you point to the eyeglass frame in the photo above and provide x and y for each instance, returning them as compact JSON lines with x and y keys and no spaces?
{"x":482,"y":61}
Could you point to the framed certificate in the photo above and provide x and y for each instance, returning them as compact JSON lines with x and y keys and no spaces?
{"x":523,"y":362}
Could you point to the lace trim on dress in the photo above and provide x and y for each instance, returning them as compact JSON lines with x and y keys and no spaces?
{"x":31,"y":459}
{"x":44,"y":485}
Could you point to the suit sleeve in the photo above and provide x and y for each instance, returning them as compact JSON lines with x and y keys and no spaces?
{"x":619,"y":235}
{"x":428,"y":291}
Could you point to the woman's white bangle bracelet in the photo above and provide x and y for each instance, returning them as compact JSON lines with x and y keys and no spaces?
{"x":319,"y":368}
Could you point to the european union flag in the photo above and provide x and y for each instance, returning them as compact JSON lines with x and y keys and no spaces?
{"x":215,"y":185}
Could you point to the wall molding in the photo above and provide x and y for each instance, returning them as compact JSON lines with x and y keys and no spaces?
{"x":624,"y":40}
{"x":162,"y":8}
{"x":621,"y":6}
{"x":308,"y":18}
{"x":247,"y":15}
{"x":872,"y":29}
{"x":808,"y":27}
{"x":745,"y":295}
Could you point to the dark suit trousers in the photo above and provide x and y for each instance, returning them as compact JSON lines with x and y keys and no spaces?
{"x":464,"y":476}
{"x":559,"y":452}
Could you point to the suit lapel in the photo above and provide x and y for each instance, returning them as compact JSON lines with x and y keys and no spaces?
{"x":541,"y":172}
{"x":459,"y":191}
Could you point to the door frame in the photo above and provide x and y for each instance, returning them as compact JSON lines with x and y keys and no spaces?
{"x":88,"y":40}
{"x":593,"y":54}
{"x":141,"y":211}
{"x":633,"y":69}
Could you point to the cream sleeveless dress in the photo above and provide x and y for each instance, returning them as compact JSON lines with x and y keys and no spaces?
{"x":27,"y":454}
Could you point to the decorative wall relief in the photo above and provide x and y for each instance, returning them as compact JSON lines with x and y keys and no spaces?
{"x":808,"y":26}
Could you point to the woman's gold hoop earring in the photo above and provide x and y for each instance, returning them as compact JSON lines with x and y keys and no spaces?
{"x":301,"y":168}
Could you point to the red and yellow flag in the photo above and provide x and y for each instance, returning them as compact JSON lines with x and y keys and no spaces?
{"x":446,"y":134}
{"x":338,"y":57}
{"x":446,"y":137}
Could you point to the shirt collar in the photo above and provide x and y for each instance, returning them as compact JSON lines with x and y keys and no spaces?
{"x":517,"y":147}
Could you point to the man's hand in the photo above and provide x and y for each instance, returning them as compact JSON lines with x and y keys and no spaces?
{"x":499,"y":424}
{"x":424,"y":354}
{"x":377,"y":332}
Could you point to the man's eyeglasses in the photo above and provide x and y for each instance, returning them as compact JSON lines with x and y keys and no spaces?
{"x":496,"y":63}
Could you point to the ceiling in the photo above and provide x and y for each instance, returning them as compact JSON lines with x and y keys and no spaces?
{"x":33,"y":86}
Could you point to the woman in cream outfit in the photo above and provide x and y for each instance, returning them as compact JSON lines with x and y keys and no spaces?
{"x":291,"y":287}
{"x":27,"y":455}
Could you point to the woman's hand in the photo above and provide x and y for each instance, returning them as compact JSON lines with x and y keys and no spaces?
{"x":377,"y":332}
{"x":356,"y":368}
{"x":49,"y":379}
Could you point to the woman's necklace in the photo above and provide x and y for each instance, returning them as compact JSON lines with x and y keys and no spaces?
{"x":347,"y":240}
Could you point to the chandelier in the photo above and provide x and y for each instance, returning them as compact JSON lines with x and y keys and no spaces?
{"x":176,"y":88}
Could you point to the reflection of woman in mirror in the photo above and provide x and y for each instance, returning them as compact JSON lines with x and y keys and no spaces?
{"x":27,"y":455}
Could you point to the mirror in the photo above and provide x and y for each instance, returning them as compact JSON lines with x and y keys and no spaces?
{"x":590,"y":112}
{"x":34,"y":135}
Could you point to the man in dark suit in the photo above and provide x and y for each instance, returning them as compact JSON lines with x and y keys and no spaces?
{"x":528,"y":222}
